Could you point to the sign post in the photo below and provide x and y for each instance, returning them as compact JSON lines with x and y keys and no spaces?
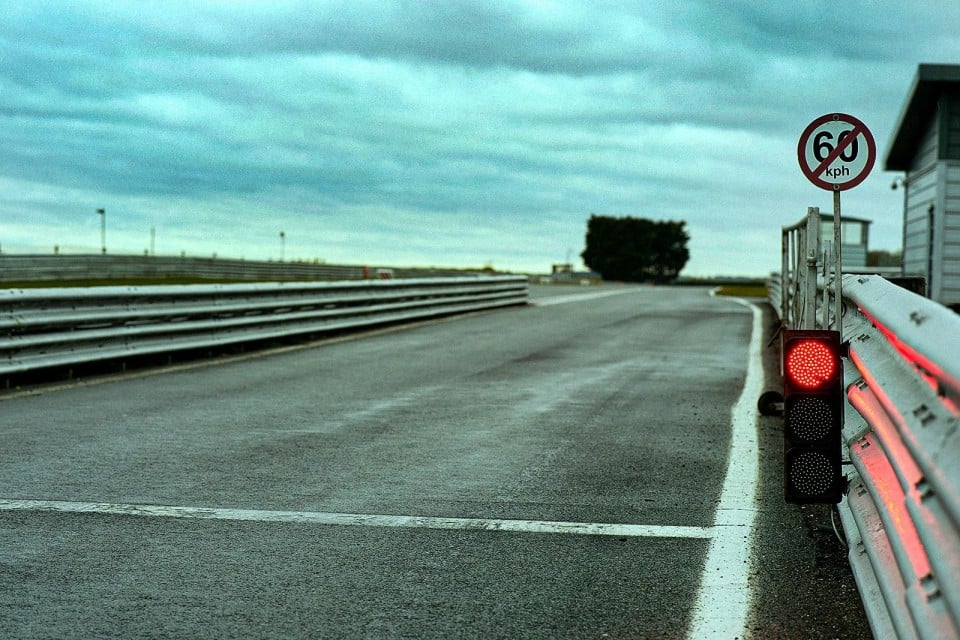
{"x":836,"y":152}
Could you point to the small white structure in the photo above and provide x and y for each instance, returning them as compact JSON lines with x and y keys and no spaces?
{"x":854,"y":239}
{"x":926,"y":146}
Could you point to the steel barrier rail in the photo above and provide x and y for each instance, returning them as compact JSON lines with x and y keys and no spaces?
{"x":42,"y":328}
{"x":919,"y":329}
{"x":901,"y":515}
{"x":905,"y":447}
{"x":36,"y":268}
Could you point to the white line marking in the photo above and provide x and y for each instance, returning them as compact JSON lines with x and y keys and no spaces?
{"x":724,"y":598}
{"x":359,"y":519}
{"x":580,"y":297}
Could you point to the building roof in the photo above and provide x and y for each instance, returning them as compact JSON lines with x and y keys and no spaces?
{"x":930,"y":82}
{"x":827,"y":216}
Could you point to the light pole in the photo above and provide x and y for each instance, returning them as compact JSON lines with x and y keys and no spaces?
{"x":283,"y":244}
{"x":103,"y":230}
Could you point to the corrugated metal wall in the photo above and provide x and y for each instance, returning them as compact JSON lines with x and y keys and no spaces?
{"x":921,"y":196}
{"x":950,"y":292}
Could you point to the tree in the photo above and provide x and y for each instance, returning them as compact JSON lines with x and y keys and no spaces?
{"x":884,"y":259}
{"x":636,"y":249}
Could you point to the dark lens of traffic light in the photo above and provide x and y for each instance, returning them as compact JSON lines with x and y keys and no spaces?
{"x":811,"y":473}
{"x":811,"y":418}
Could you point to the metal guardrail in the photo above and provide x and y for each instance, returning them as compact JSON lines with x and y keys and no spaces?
{"x":33,"y":268}
{"x":901,"y":515}
{"x":903,"y":433}
{"x":56,"y":327}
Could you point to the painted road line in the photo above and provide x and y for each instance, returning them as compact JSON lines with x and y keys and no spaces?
{"x":579,"y":297}
{"x":724,"y":597}
{"x":358,"y":519}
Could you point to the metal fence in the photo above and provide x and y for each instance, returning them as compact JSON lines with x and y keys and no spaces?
{"x":901,"y":515}
{"x":57,"y":327}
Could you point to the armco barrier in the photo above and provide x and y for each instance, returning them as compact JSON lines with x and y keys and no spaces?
{"x":904,"y":441}
{"x":901,"y":515}
{"x":42,"y":328}
{"x":32,"y":268}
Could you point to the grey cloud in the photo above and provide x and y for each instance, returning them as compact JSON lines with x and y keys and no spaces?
{"x":568,"y":39}
{"x":474,"y":112}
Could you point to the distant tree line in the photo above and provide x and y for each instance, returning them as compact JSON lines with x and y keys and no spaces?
{"x":881,"y":258}
{"x":636,"y":249}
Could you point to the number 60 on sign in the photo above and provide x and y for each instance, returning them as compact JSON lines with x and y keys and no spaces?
{"x":836,"y":152}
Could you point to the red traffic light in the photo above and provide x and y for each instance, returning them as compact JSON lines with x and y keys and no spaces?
{"x":813,"y":407}
{"x":811,"y":363}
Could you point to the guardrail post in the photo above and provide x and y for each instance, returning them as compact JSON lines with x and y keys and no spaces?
{"x":784,"y":276}
{"x":810,"y":277}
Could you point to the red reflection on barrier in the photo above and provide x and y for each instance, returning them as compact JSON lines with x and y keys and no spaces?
{"x":932,"y":373}
{"x":890,"y":490}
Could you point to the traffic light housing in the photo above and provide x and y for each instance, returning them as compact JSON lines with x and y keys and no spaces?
{"x":813,"y":405}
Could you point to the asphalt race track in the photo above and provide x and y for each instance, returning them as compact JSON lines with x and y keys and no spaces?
{"x":552,"y":471}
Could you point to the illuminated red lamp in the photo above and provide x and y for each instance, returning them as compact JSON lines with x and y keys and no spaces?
{"x":811,"y":363}
{"x":813,"y":405}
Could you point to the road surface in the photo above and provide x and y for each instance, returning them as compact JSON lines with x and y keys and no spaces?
{"x":553,"y":471}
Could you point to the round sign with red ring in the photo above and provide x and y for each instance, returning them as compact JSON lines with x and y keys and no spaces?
{"x":836,"y":152}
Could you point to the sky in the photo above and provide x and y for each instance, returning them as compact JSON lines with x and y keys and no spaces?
{"x":448,"y":133}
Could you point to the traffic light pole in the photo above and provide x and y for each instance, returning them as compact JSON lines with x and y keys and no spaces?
{"x":837,"y":262}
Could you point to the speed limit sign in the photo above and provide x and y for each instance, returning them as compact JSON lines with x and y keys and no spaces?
{"x":836,"y":152}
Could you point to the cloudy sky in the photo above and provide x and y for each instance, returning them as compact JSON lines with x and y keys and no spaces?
{"x":443,"y":133}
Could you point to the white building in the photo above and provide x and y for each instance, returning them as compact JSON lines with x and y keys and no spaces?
{"x":926,"y":146}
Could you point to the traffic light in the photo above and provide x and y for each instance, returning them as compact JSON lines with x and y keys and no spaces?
{"x":813,"y":403}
